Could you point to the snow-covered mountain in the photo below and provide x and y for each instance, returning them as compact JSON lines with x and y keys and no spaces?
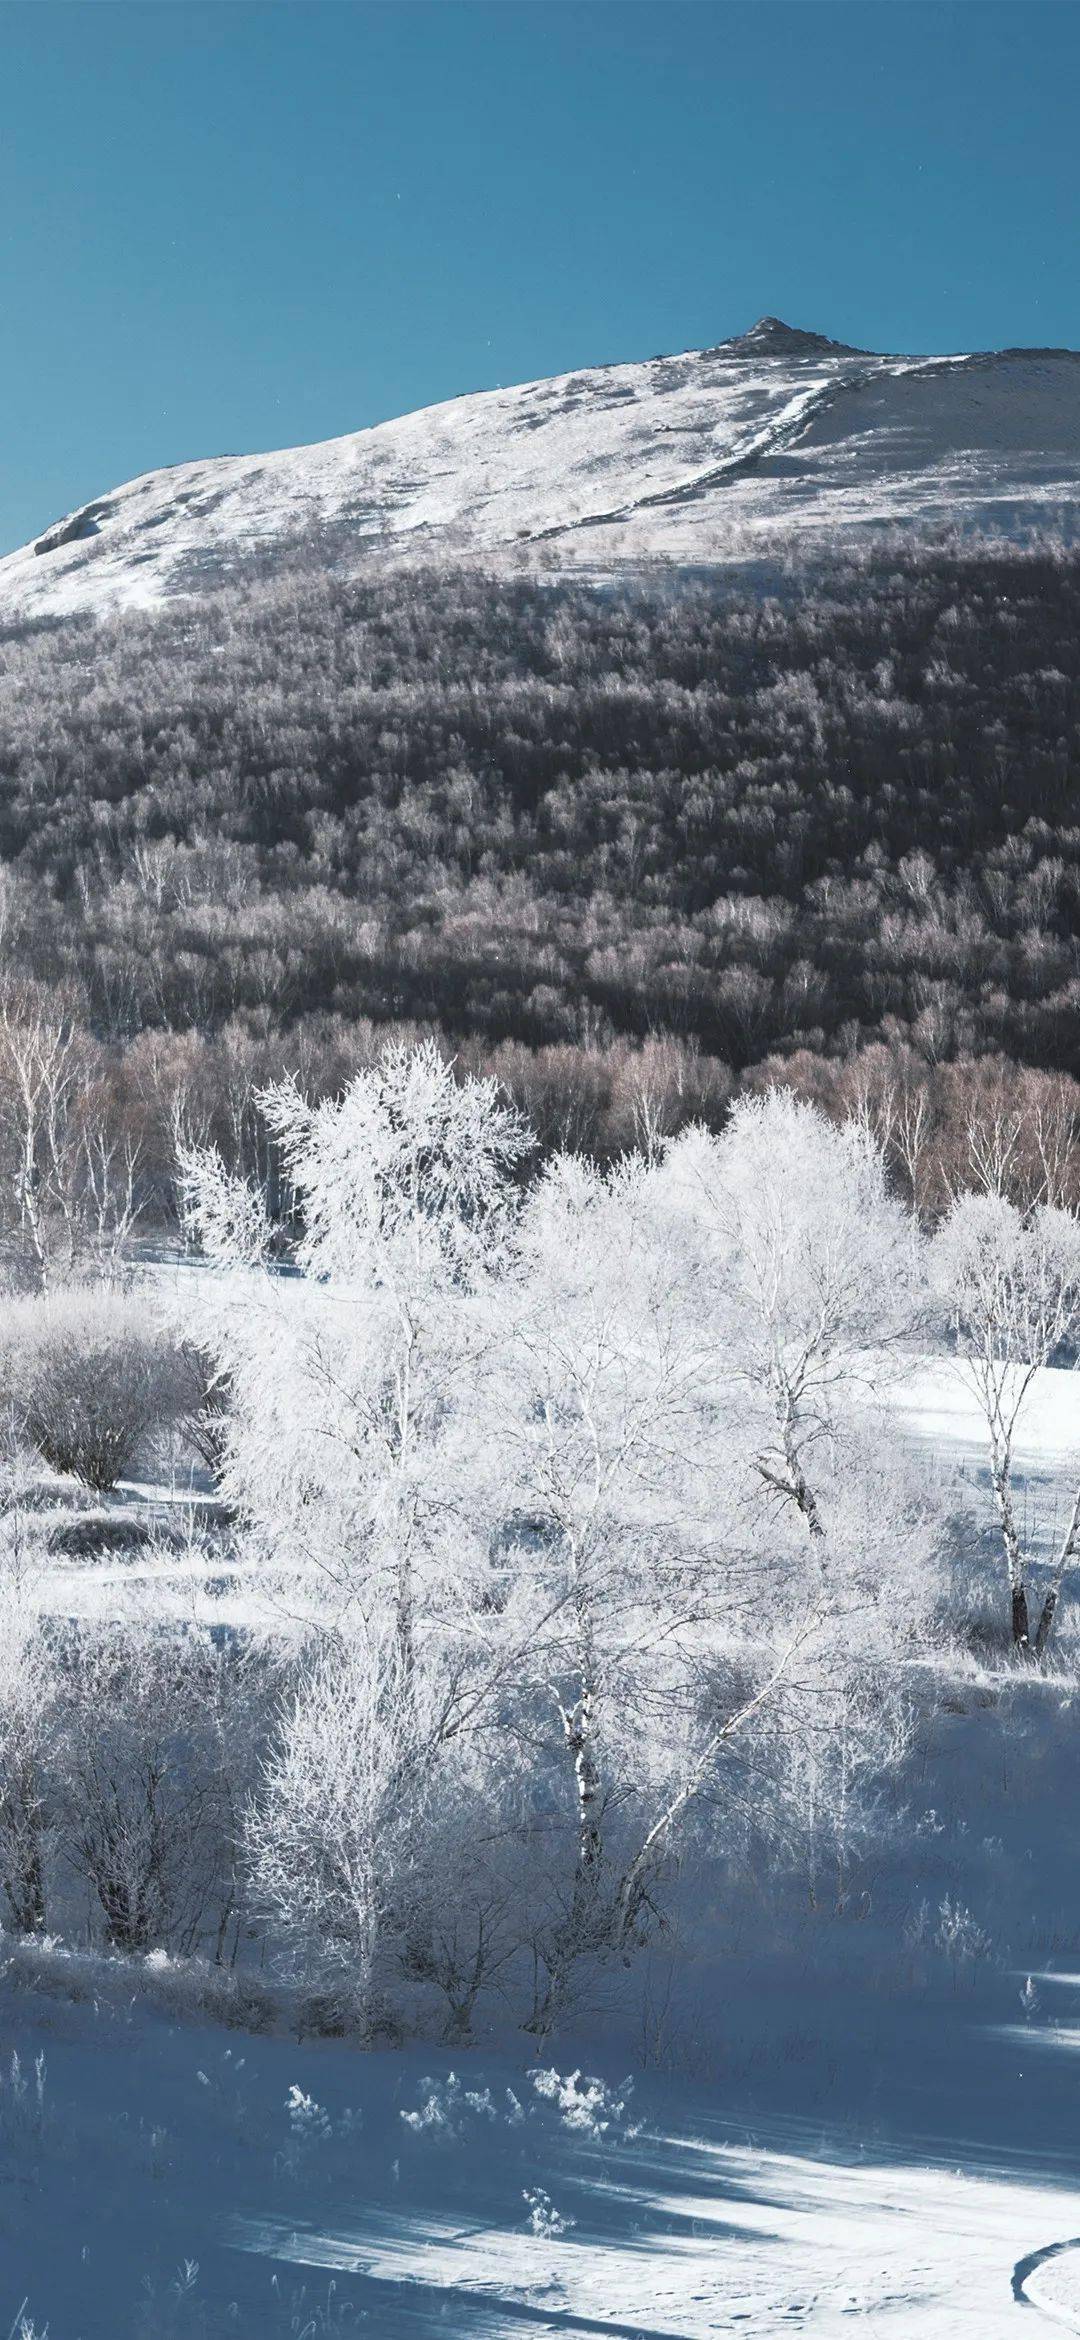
{"x":689,"y":459}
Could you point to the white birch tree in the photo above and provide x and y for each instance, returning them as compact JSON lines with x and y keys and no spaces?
{"x":1009,"y":1286}
{"x":638,"y":1572}
{"x":804,"y":1274}
{"x":352,"y":1455}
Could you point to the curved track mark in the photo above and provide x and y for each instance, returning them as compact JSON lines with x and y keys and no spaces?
{"x":1026,"y":2268}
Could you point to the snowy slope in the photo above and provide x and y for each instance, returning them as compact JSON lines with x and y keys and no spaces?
{"x":692,"y":458}
{"x":160,"y":2189}
{"x":835,"y":2131}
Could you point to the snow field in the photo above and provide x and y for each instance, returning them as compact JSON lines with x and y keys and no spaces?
{"x":697,"y":457}
{"x":176,"y":2181}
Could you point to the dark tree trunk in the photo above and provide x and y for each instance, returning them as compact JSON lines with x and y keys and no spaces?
{"x":24,"y":1885}
{"x":26,"y":1895}
{"x":1046,"y":1621}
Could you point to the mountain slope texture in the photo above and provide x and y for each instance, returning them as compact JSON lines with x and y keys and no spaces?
{"x":775,"y":437}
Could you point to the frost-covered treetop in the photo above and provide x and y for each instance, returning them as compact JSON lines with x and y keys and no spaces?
{"x":410,"y":1161}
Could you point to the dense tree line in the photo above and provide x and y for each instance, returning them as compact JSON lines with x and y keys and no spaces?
{"x":837,"y":812}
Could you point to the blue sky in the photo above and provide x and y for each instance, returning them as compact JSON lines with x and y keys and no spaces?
{"x":225,"y":227}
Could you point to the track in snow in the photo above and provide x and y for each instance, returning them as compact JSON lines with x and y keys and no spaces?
{"x":1068,"y":2318}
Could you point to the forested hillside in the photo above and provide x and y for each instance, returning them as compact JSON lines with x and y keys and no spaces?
{"x":737,"y":821}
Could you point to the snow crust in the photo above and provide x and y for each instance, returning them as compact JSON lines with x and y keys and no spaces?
{"x":700,"y":457}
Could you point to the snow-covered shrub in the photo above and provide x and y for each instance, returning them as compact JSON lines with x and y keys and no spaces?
{"x":435,"y":2114}
{"x":822,"y":1798}
{"x":544,"y":2219}
{"x":27,"y":1714}
{"x":185,"y":1989}
{"x":372,"y":1840}
{"x":447,"y":2106}
{"x":310,"y":2127}
{"x":590,"y":2107}
{"x":960,"y":1936}
{"x":89,"y":1374}
{"x":152,"y":1746}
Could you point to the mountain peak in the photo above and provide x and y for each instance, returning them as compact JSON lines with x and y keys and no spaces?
{"x":771,"y":337}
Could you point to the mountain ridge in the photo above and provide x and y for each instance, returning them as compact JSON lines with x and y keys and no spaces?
{"x":778,"y":434}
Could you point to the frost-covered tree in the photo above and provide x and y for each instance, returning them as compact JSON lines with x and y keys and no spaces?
{"x":632,"y":1570}
{"x":369,"y":1841}
{"x":830,"y":1743}
{"x":1009,"y":1286}
{"x":361,"y":1456}
{"x":148,"y":1774}
{"x":69,"y":1171}
{"x":804,"y":1271}
{"x":352,"y":1451}
{"x":496,"y":1452}
{"x":338,"y":1814}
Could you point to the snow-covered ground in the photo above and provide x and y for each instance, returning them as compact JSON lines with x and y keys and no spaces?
{"x":934,"y":1403}
{"x":832,"y":2126}
{"x":186,"y":2182}
{"x":695,"y":458}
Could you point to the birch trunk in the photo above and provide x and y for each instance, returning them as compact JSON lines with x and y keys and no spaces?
{"x":1001,"y":1474}
{"x":1069,"y":1548}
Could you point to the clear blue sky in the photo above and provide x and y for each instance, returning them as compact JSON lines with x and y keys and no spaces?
{"x":227,"y":226}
